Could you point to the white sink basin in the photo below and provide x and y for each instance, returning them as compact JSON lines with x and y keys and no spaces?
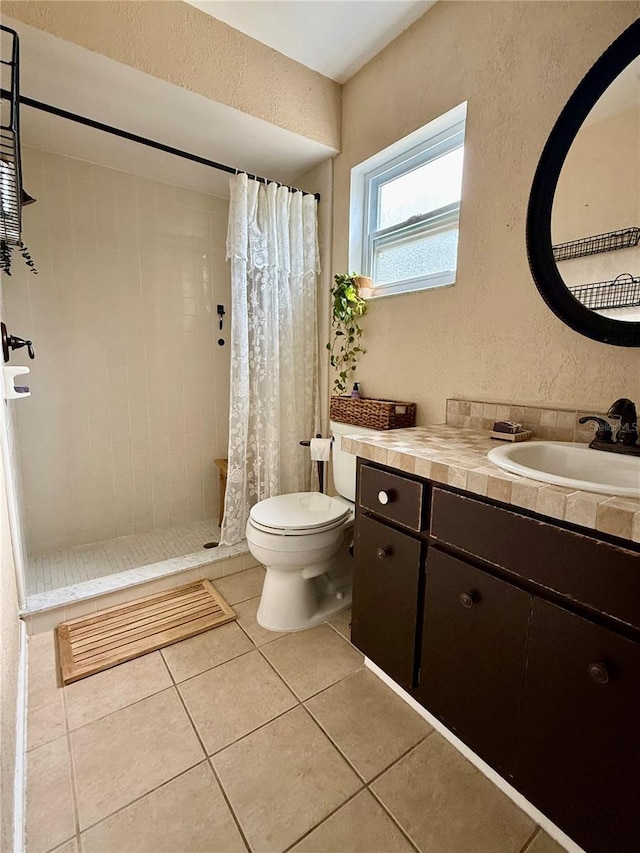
{"x":573,"y":465}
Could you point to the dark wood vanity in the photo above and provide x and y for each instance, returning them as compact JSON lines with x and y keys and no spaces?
{"x":520,"y":634}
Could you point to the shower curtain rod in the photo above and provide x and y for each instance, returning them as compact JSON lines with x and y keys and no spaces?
{"x":160,"y":146}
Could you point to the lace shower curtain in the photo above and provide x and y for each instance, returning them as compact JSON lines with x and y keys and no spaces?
{"x":272,"y":243}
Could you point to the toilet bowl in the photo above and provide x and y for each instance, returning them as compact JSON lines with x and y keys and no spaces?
{"x":304,"y":540}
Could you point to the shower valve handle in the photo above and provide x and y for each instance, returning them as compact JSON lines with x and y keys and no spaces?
{"x":17,"y":343}
{"x":11,"y":342}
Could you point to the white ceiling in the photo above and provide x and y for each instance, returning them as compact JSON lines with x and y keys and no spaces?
{"x":333,"y":37}
{"x":65,"y":75}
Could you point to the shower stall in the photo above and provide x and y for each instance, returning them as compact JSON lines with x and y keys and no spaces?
{"x":116,"y":446}
{"x":113,"y":456}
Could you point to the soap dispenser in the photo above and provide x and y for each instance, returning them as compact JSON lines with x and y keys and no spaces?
{"x":355,"y":394}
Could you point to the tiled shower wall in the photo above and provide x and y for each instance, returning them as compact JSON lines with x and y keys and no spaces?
{"x":129,"y":405}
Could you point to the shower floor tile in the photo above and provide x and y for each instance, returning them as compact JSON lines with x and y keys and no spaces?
{"x":89,"y":562}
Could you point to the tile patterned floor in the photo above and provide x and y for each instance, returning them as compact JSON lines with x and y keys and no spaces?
{"x":240,"y":740}
{"x":88,"y":562}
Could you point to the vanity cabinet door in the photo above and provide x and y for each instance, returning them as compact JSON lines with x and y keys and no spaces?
{"x":385,"y":598}
{"x":579,"y":735}
{"x":473,"y":655}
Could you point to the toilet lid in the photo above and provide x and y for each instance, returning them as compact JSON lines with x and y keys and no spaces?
{"x":303,"y":512}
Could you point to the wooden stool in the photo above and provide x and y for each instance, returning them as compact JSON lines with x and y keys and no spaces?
{"x":223,"y":465}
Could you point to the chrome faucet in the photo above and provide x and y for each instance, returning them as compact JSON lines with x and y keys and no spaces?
{"x":625,"y":440}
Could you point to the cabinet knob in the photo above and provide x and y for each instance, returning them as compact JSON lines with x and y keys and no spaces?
{"x":384,"y":497}
{"x":598,"y":673}
{"x":382,"y":553}
{"x":467,"y":599}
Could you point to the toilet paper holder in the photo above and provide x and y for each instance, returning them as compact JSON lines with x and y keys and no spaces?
{"x":307,"y":443}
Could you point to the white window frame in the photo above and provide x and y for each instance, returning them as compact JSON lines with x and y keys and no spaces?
{"x":439,"y":137}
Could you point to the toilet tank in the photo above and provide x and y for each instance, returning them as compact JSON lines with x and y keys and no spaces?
{"x":344,"y":464}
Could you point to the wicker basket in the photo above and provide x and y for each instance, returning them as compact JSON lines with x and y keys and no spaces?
{"x":374,"y":414}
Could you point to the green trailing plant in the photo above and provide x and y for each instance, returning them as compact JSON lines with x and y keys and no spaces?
{"x":5,"y":257}
{"x":347,"y":306}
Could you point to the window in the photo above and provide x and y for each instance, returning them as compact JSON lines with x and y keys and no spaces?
{"x":409,"y":197}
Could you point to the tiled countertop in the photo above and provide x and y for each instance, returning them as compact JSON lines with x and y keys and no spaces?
{"x":458,"y":457}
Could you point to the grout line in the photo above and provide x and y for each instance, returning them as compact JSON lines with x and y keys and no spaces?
{"x":527,"y":845}
{"x":210,"y":762}
{"x":141,"y":797}
{"x":400,"y":757}
{"x":257,"y":729}
{"x":337,"y":748}
{"x":395,"y":820}
{"x":228,"y":802}
{"x":208,"y":669}
{"x":123,"y":707}
{"x":325,"y":818}
{"x":334,"y":683}
{"x":72,"y":767}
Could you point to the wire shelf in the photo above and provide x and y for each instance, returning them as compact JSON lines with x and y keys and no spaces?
{"x":622,"y":292}
{"x":625,"y":238}
{"x":10,"y":166}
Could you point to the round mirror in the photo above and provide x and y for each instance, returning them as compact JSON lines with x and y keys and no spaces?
{"x":583,"y":222}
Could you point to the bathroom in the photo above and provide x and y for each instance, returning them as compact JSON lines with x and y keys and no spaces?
{"x":490,"y":338}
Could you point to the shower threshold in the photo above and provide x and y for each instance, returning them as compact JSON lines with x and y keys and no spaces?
{"x":86,"y":572}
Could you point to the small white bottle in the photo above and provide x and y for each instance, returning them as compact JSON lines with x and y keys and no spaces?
{"x":355,"y":394}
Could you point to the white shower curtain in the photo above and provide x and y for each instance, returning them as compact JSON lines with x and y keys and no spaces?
{"x":272,"y":243}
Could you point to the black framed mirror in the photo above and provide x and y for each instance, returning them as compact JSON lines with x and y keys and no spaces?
{"x":583,"y":219}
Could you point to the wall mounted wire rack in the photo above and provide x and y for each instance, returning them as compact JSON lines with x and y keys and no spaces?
{"x":622,"y":292}
{"x":625,"y":238}
{"x":10,"y":165}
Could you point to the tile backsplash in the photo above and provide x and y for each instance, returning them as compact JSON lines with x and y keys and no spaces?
{"x":130,"y":391}
{"x":550,"y":424}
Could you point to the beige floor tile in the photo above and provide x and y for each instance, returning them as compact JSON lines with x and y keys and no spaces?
{"x":360,"y":826}
{"x":130,"y":752}
{"x":187,"y":814}
{"x":543,"y":843}
{"x":67,"y":847}
{"x":45,"y":706}
{"x":234,"y":699}
{"x":311,"y":660}
{"x":205,"y":651}
{"x":246,"y":611}
{"x":41,"y":655}
{"x":105,"y":692}
{"x":443,"y":802}
{"x":45,"y":717}
{"x":283,"y":779}
{"x":342,"y":623}
{"x":241,"y":586}
{"x":367,"y":722}
{"x":50,"y":817}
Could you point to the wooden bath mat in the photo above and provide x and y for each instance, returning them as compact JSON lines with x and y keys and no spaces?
{"x":93,"y":643}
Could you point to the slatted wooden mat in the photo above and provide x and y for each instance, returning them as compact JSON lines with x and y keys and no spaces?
{"x":93,"y":643}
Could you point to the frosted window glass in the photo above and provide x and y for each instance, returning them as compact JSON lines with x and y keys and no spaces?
{"x":429,"y":187}
{"x":417,"y":257}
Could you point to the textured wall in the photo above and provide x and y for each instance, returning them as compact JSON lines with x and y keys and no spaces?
{"x":177,"y":42}
{"x":490,"y":336}
{"x":9,"y":657}
{"x":130,"y":392}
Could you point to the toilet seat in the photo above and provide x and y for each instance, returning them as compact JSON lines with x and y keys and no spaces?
{"x":299,"y":514}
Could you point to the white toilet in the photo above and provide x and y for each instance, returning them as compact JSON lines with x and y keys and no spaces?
{"x":303,"y":541}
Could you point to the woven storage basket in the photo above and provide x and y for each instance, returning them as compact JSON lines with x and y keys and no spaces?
{"x":375,"y":414}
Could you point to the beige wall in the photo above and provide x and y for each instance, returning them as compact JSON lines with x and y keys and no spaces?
{"x":178,"y":43}
{"x":129,"y":405}
{"x":9,"y":657}
{"x":9,"y":660}
{"x":490,"y":336}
